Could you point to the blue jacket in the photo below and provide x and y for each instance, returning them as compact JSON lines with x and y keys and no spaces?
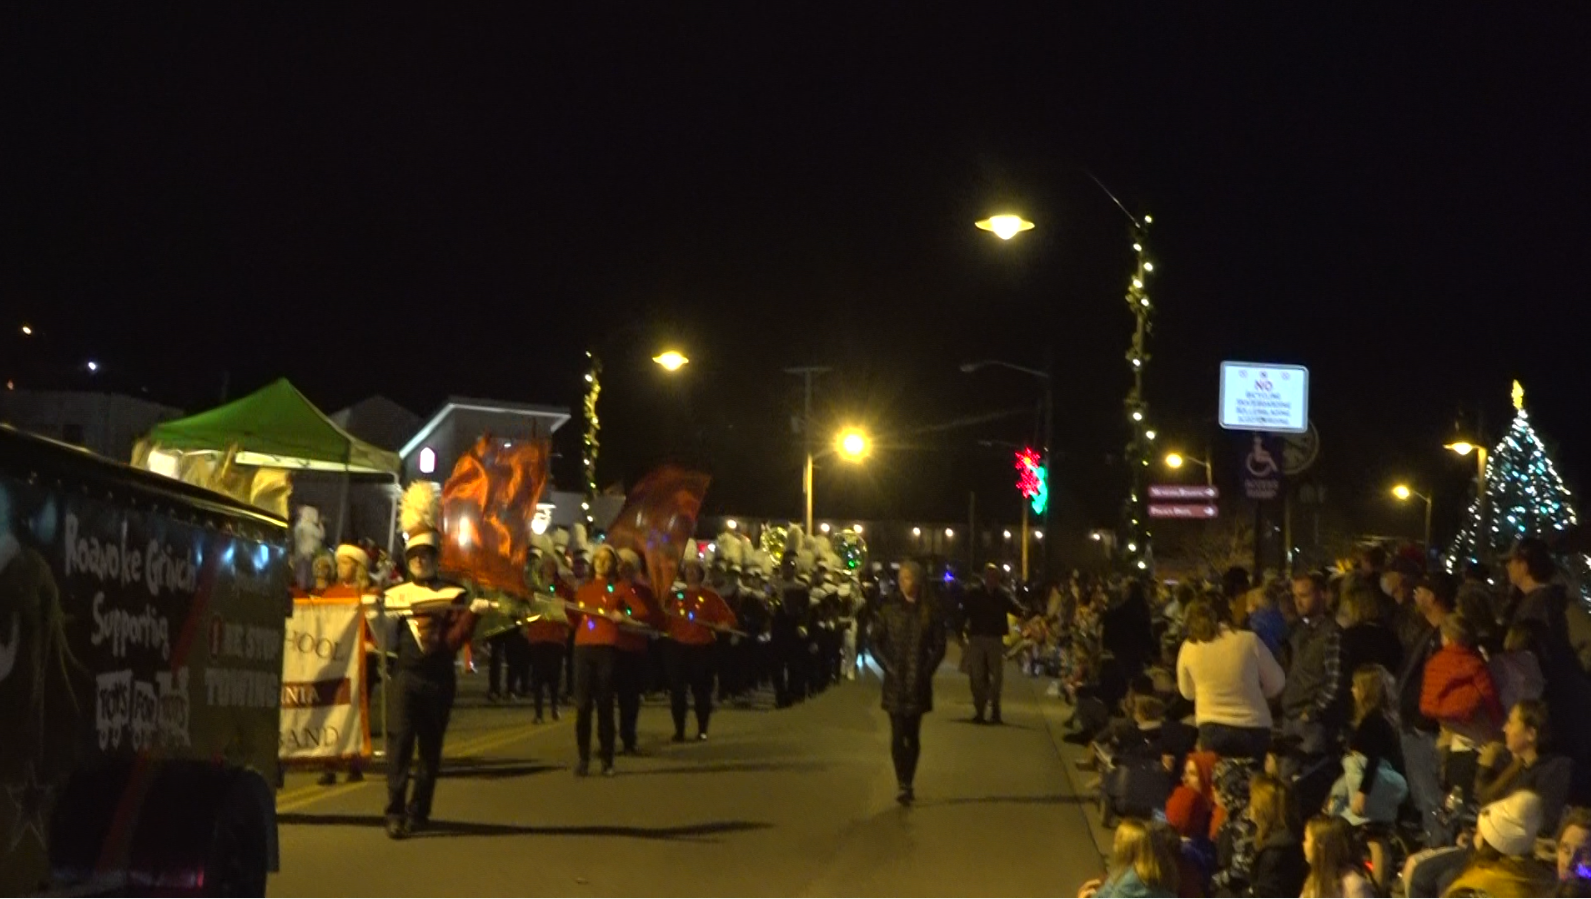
{"x":1128,"y":884}
{"x":1269,"y":625}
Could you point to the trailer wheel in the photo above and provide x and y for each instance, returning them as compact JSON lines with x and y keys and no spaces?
{"x":237,"y":860}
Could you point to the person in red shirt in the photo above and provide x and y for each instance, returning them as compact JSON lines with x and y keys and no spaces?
{"x":604,"y":601}
{"x":548,"y":635}
{"x":629,"y":671}
{"x":690,"y":648}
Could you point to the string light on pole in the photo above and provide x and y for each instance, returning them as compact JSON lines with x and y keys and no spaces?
{"x":1140,"y":442}
{"x":591,"y":442}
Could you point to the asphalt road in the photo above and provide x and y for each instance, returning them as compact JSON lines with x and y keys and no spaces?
{"x":797,"y":802}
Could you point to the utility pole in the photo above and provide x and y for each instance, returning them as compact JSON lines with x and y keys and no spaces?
{"x":807,"y":372}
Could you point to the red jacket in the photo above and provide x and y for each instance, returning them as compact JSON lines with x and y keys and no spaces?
{"x":695,"y":604}
{"x":643,"y":608}
{"x":605,"y":596}
{"x":1458,"y":689}
{"x":545,"y":631}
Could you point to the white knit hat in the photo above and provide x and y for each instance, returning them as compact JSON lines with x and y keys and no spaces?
{"x":350,"y":551}
{"x":1510,"y":824}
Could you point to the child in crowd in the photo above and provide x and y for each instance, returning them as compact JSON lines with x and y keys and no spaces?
{"x":1139,"y":865}
{"x":1459,"y":694}
{"x":1328,"y":849}
{"x":1278,"y":868}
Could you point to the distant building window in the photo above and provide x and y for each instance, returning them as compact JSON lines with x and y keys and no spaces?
{"x":72,"y":434}
{"x":427,"y":460}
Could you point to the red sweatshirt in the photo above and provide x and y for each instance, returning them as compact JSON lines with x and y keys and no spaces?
{"x":1458,"y":690}
{"x":695,"y":604}
{"x":603,"y":596}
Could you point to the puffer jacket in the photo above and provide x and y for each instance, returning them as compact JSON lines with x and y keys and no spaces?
{"x":1458,"y":692}
{"x":909,"y":643}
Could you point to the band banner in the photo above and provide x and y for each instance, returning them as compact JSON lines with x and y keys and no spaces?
{"x":325,"y":707}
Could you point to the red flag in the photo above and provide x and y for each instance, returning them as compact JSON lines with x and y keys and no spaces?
{"x":487,"y":505}
{"x":658,"y":519}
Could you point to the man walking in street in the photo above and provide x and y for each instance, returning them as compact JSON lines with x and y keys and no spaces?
{"x":983,"y":630}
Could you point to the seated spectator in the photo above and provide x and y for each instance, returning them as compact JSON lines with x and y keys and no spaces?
{"x":1372,"y":786}
{"x":1526,"y":767}
{"x":1509,"y":826}
{"x":1192,"y":803}
{"x":1459,"y":695}
{"x":1278,"y":868}
{"x":1333,"y":871}
{"x":1139,"y":866}
{"x":1190,"y":871}
{"x":1574,"y":853}
{"x":1230,"y":827}
{"x":1516,"y":670}
{"x":1501,"y":865}
{"x":1228,"y":675}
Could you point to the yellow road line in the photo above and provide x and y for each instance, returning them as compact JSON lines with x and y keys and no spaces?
{"x":290,"y":800}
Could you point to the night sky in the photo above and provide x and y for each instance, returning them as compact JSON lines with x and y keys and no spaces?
{"x":465,"y":201}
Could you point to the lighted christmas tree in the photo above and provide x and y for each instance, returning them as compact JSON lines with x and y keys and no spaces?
{"x":1523,"y":497}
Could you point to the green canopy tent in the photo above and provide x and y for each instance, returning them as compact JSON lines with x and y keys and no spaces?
{"x":273,"y":427}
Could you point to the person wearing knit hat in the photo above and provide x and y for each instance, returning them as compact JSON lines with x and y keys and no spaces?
{"x":1499,"y":861}
{"x":434,"y":619}
{"x":1503,"y":862}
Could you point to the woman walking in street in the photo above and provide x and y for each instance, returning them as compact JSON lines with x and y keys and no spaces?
{"x":909,"y":644}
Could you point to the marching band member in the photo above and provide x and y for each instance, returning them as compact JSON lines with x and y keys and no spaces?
{"x":630,"y":666}
{"x":690,"y":647}
{"x":548,"y":635}
{"x":434,"y":620}
{"x":604,"y":601}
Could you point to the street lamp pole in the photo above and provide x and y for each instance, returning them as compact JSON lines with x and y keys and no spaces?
{"x":807,"y":372}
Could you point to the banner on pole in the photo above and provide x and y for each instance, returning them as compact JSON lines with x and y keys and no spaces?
{"x":325,"y":711}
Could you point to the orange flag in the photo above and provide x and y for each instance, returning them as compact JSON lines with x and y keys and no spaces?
{"x":659,"y":516}
{"x":488,"y":503}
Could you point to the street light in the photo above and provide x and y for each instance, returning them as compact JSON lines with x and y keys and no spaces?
{"x":673,"y":360}
{"x":1177,"y":460}
{"x":1007,"y":226}
{"x":853,"y":445}
{"x":1403,"y":494}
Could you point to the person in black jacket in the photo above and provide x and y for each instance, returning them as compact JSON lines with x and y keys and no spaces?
{"x":1279,"y":868}
{"x":984,"y":627}
{"x":1365,"y":640}
{"x":909,"y":643}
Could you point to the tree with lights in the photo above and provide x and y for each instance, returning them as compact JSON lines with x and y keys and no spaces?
{"x":1521,"y":496}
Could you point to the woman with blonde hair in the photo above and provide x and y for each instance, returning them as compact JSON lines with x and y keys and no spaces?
{"x":1329,"y":852}
{"x":1140,"y":865}
{"x":1278,"y":868}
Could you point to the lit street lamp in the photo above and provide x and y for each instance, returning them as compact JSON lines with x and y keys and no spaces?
{"x":1177,"y":460}
{"x":1403,"y":494}
{"x":1005,"y":227}
{"x":853,"y":445}
{"x":673,"y":360}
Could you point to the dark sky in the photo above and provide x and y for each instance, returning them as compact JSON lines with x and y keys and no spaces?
{"x":462,"y":202}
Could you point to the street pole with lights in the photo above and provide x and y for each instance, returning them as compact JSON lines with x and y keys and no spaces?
{"x":807,"y":372}
{"x":1403,"y":493}
{"x":1464,"y":448}
{"x":670,"y":360}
